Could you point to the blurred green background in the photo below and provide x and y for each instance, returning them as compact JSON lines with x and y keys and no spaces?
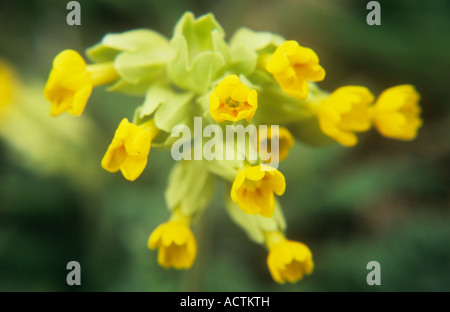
{"x":382,"y":200}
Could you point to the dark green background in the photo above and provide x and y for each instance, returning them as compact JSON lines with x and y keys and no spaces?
{"x":382,"y":200}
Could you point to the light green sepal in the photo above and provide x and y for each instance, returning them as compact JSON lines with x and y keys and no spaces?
{"x":200,"y":53}
{"x":244,"y":60}
{"x":274,"y":104}
{"x":157,"y":94}
{"x":100,"y":53}
{"x":174,"y":111}
{"x":140,"y":57}
{"x":136,"y":40}
{"x":308,"y":131}
{"x":255,"y":225}
{"x":255,"y":40}
{"x":195,"y":76}
{"x":246,"y":45}
{"x":126,"y":87}
{"x":138,"y":66}
{"x":199,"y":34}
{"x":169,"y":108}
{"x":190,"y":187}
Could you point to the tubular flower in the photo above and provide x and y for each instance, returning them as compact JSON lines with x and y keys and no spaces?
{"x":287,"y":260}
{"x":231,"y":100}
{"x":71,"y":81}
{"x":396,"y":113}
{"x":253,"y":189}
{"x":176,"y":243}
{"x":285,"y":143}
{"x":129,"y":149}
{"x":292,"y":66}
{"x":345,"y":111}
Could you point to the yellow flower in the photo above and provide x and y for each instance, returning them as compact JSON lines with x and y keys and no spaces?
{"x":253,"y":189}
{"x":292,"y":66}
{"x":129,"y":149}
{"x":231,"y":100}
{"x":7,"y":84}
{"x":71,"y":81}
{"x":285,"y":143}
{"x":69,"y":86}
{"x":345,"y":111}
{"x":176,"y":243}
{"x":287,"y":260}
{"x":396,"y":113}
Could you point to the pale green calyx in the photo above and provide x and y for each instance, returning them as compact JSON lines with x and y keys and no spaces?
{"x":190,"y":188}
{"x":140,"y":57}
{"x":201,"y":54}
{"x":255,"y":225}
{"x":247,"y":46}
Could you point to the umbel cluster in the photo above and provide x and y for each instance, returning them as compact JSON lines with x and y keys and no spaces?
{"x":255,"y":78}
